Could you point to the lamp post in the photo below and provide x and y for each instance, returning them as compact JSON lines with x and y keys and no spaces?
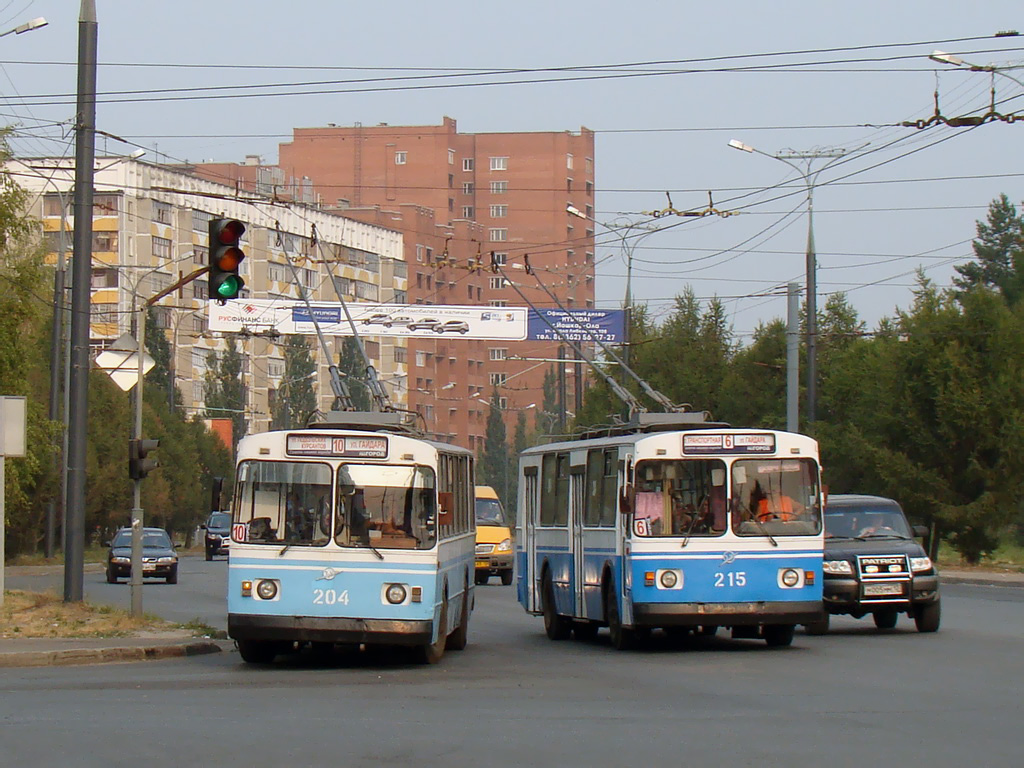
{"x":810,"y":177}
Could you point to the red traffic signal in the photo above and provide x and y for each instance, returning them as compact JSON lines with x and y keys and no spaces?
{"x":225,"y":257}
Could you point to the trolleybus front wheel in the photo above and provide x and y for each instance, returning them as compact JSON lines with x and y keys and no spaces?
{"x":458,"y":639}
{"x":778,"y":635}
{"x":622,"y":638}
{"x":431,"y":653}
{"x":556,"y":627}
{"x":258,"y":651}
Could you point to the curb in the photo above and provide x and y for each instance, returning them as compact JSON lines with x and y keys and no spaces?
{"x":72,"y":656}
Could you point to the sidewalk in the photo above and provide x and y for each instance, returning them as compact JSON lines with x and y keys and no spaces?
{"x":55,"y":652}
{"x":994,"y":578}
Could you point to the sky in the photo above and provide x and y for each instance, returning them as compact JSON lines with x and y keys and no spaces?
{"x":665,"y":87}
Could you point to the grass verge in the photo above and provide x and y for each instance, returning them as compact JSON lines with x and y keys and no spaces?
{"x":46,"y":615}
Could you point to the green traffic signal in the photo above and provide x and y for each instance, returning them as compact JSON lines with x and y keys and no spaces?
{"x":225,"y":258}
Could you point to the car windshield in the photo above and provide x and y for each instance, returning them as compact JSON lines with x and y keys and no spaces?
{"x":866,"y":523}
{"x":489,"y":512}
{"x":219,"y":520}
{"x":151,"y":539}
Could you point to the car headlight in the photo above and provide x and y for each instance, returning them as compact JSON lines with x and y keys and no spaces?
{"x":837,"y":567}
{"x":165,"y":560}
{"x":120,"y":560}
{"x":920,"y":564}
{"x":266,"y":589}
{"x":504,"y":546}
{"x":395,"y":594}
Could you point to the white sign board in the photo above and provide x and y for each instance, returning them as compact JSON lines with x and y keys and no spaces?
{"x":12,"y":425}
{"x":410,"y":320}
{"x":123,"y":366}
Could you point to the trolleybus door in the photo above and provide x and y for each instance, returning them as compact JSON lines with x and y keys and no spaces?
{"x":578,"y":487}
{"x":530,"y":513}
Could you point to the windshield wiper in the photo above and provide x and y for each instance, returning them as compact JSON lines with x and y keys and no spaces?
{"x":375,"y":551}
{"x":765,"y":531}
{"x":689,"y":530}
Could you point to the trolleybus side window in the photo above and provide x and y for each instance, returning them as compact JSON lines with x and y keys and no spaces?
{"x":283,"y":501}
{"x":554,"y":501}
{"x":680,"y":498}
{"x":386,"y":507}
{"x":776,"y":497}
{"x":602,"y":488}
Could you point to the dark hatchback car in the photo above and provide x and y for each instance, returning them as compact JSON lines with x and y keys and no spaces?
{"x":874,"y":565}
{"x":159,"y":559}
{"x":218,"y":534}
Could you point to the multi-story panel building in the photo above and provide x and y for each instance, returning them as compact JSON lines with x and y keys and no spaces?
{"x":517,"y":187}
{"x":150,"y":227}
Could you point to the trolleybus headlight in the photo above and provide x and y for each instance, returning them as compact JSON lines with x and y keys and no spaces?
{"x":920,"y":564}
{"x":841,"y":567}
{"x":266,"y":589}
{"x":669,"y":579}
{"x":395,"y":594}
{"x":790,"y":577}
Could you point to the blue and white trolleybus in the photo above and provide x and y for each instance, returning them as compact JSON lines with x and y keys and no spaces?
{"x":353,"y":531}
{"x":672,"y":523}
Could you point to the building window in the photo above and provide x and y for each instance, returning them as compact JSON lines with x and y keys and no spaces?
{"x":467,"y":211}
{"x":421,"y":361}
{"x":419,"y":252}
{"x":104,"y":278}
{"x":568,"y":185}
{"x":275,"y":367}
{"x":499,"y":163}
{"x":399,"y":354}
{"x":503,"y":403}
{"x":467,"y":163}
{"x":590,"y":189}
{"x":497,"y":303}
{"x":501,"y":259}
{"x":451,"y":157}
{"x":498,"y":353}
{"x":499,"y":187}
{"x":161,"y":248}
{"x":467,"y":187}
{"x":104,"y":313}
{"x":568,"y":162}
{"x":163,"y":212}
{"x":498,"y":235}
{"x":590,"y":211}
{"x":498,"y":379}
{"x":201,"y":220}
{"x":400,"y":158}
{"x":277,"y":273}
{"x":372,"y":349}
{"x":497,"y":283}
{"x":499,"y":211}
{"x":451,"y":204}
{"x":590,"y":164}
{"x":104,"y":205}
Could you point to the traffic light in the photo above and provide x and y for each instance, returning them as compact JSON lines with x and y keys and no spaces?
{"x":225,"y":258}
{"x":138,"y":465}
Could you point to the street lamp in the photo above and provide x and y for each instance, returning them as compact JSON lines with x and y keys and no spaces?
{"x":810,"y":178}
{"x":955,"y":61}
{"x":28,"y":26}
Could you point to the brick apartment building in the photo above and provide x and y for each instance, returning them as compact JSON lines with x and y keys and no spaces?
{"x":501,"y":193}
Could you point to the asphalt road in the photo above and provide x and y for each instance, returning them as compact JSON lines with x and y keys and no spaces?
{"x":855,"y":697}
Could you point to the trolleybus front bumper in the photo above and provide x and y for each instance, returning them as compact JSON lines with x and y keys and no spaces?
{"x":329,"y":630}
{"x":727,"y":614}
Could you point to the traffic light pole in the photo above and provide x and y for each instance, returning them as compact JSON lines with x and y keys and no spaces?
{"x":138,"y":516}
{"x":137,"y":513}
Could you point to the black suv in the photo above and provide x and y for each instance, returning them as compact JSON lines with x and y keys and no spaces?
{"x":218,"y":534}
{"x":874,"y":565}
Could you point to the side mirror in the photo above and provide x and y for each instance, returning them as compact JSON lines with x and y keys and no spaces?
{"x":627,"y":499}
{"x":921,"y":531}
{"x":110,"y":543}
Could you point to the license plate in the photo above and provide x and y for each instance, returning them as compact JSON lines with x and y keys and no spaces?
{"x":879,"y":590}
{"x":482,"y":564}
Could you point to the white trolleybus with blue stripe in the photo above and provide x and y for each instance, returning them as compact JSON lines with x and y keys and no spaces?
{"x":356,"y":530}
{"x":671,"y":522}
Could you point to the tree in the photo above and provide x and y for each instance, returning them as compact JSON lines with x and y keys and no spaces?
{"x":999,"y":249}
{"x":352,"y":367}
{"x":295,"y":400}
{"x":225,"y":392}
{"x":159,"y":348}
{"x":495,"y":459}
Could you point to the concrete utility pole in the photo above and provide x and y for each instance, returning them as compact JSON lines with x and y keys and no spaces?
{"x":804,"y":165}
{"x":78,"y":387}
